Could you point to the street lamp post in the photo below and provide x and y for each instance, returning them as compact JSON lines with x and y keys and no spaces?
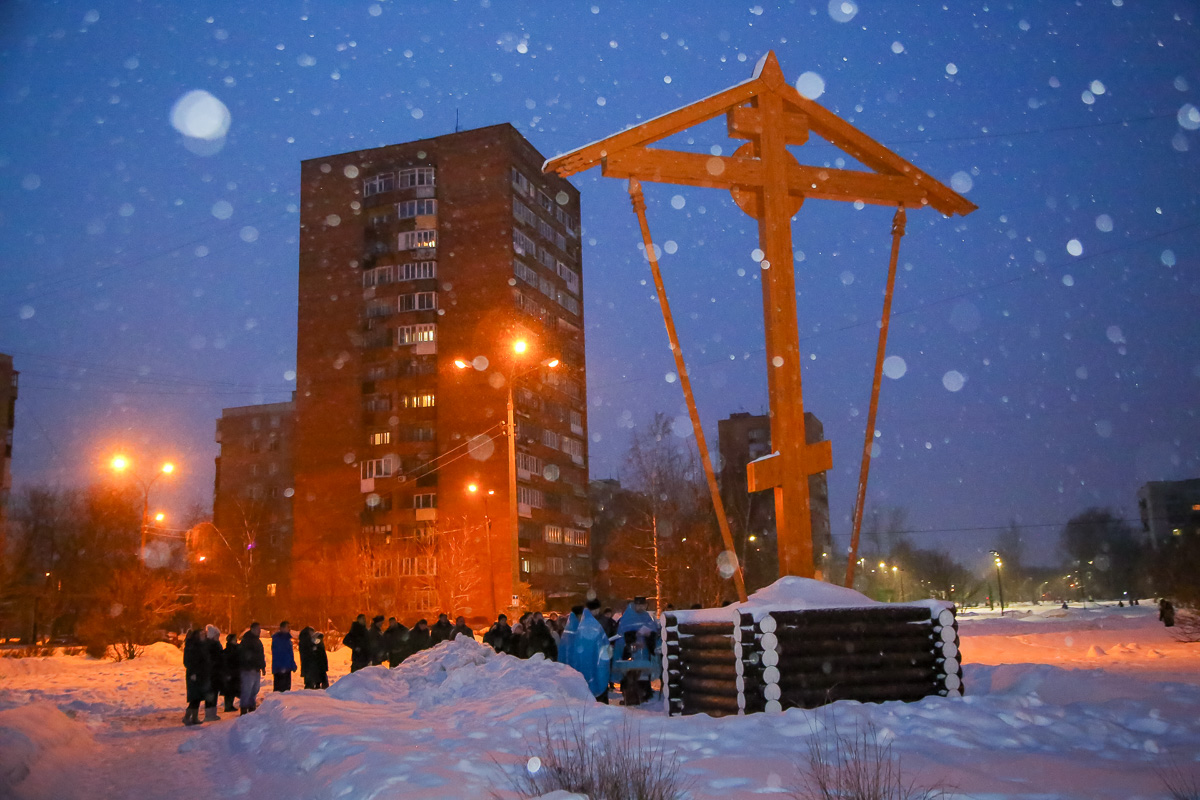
{"x":122,"y":464}
{"x":999,"y":583}
{"x":487,"y":528}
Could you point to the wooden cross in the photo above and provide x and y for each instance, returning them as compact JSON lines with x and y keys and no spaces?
{"x":769,"y":184}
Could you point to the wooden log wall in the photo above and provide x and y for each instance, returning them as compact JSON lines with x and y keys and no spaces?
{"x":803,"y":659}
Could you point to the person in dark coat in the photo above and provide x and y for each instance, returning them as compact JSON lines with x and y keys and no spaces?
{"x":232,"y":661}
{"x":461,"y":629}
{"x":356,"y":640}
{"x":314,"y":661}
{"x":375,"y":643}
{"x":212,"y":643}
{"x":283,"y":658}
{"x":441,"y":630}
{"x":395,"y":642}
{"x":498,"y":635}
{"x":253,"y":663}
{"x":305,"y":648}
{"x":418,"y":637}
{"x":1166,"y":612}
{"x":607,"y":622}
{"x":198,"y":669}
{"x":518,"y":643}
{"x":539,"y":639}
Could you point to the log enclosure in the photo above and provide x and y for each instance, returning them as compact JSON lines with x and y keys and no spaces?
{"x":771,"y":660}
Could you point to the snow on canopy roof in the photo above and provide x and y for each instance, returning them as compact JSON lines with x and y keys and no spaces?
{"x":791,"y":593}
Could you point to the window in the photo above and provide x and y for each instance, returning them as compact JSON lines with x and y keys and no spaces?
{"x":377,"y":530}
{"x":270,"y":590}
{"x":416,"y":270}
{"x":425,"y":500}
{"x":566,"y":301}
{"x":525,"y":273}
{"x":379,"y":276}
{"x":561,"y":214}
{"x":570,"y":276}
{"x":254,"y":492}
{"x":379,"y":308}
{"x":379,"y":402}
{"x":523,"y":213}
{"x":421,"y":301}
{"x":382,"y":567}
{"x":275,"y":419}
{"x":575,"y":537}
{"x":546,"y":230}
{"x":377,"y":467}
{"x":530,"y":464}
{"x":522,"y":184}
{"x":381,"y":437}
{"x":378,"y":502}
{"x":417,"y":401}
{"x":545,"y":202}
{"x":418,"y":565}
{"x":529,"y":305}
{"x":417,"y":240}
{"x":408,"y":209}
{"x":546,"y":287}
{"x":546,"y":258}
{"x":554,"y":565}
{"x":418,"y":176}
{"x":560,"y":241}
{"x":523,"y":244}
{"x":383,"y":182}
{"x":573,"y":448}
{"x":273,"y":468}
{"x":413,"y":334}
{"x":534,"y":498}
{"x":273,"y":443}
{"x":554,"y":534}
{"x":550,"y":439}
{"x":418,"y":433}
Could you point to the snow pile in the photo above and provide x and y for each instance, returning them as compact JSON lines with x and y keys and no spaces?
{"x":34,"y":734}
{"x":150,"y":683}
{"x":162,"y":654}
{"x":790,"y":593}
{"x":461,"y":670}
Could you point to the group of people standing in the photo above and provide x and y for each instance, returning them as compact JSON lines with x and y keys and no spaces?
{"x":583,"y":640}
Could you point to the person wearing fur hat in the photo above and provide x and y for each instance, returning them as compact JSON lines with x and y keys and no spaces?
{"x":198,"y":672}
{"x":216,"y":657}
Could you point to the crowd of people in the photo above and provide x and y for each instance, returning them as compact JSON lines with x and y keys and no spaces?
{"x":583,"y":639}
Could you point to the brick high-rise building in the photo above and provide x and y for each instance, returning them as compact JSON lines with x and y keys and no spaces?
{"x":8,"y":414}
{"x":412,"y":257}
{"x":743,"y":437}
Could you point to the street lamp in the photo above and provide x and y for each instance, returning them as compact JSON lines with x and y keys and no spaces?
{"x":487,"y":533}
{"x":999,"y":583}
{"x":121,"y":464}
{"x":519,"y":348}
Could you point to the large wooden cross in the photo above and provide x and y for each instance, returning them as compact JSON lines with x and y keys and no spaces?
{"x":769,"y":184}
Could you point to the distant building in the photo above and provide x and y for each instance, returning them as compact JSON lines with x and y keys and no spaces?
{"x":742,"y":438}
{"x":1169,"y":508}
{"x":414,"y":257}
{"x":8,"y":413}
{"x":252,"y":503}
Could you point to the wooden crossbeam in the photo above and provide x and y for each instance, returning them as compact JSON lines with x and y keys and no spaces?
{"x":767,"y":472}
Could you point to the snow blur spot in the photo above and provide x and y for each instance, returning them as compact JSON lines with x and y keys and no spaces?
{"x":481,"y":447}
{"x":1075,"y":247}
{"x":961,"y":182}
{"x":756,"y":10}
{"x":350,"y":171}
{"x":333,"y":220}
{"x":305,"y":60}
{"x":374,"y":9}
{"x":1081,"y":373}
{"x":373,"y":500}
{"x":26,"y":312}
{"x":897,"y":48}
{"x":953,"y":380}
{"x":1167,"y":258}
{"x":847,"y":277}
{"x":1113,"y":332}
{"x":417,"y":113}
{"x":670,"y":377}
{"x":1097,"y":88}
{"x":810,"y":85}
{"x":533,"y":765}
{"x":31,"y":182}
{"x":551,"y":472}
{"x":1068,"y":280}
{"x":562,"y":198}
{"x":480,"y":363}
{"x":126,"y":210}
{"x":681,"y":426}
{"x":1188,"y":117}
{"x":1104,"y":428}
{"x":201,"y":251}
{"x":678,"y":202}
{"x":756,"y":255}
{"x":222,"y":209}
{"x":777,"y":361}
{"x":670,"y":247}
{"x":249,"y":234}
{"x":951,"y":68}
{"x":601,"y":101}
{"x":876,"y":450}
{"x":895,"y":367}
{"x":289,"y":375}
{"x":842,"y":10}
{"x":714,"y":166}
{"x":726,"y":564}
{"x":200,"y":115}
{"x":1087,"y":97}
{"x":91,"y":17}
{"x":288,"y":492}
{"x":1104,"y":223}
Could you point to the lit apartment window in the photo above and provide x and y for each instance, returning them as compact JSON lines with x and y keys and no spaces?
{"x":425,"y":500}
{"x":418,"y":401}
{"x":414,"y":334}
{"x":270,"y":590}
{"x":416,"y":270}
{"x":554,"y":534}
{"x":418,"y":176}
{"x":575,"y":537}
{"x":523,"y":244}
{"x":381,"y":437}
{"x":415,"y":208}
{"x":377,"y":467}
{"x":418,"y":240}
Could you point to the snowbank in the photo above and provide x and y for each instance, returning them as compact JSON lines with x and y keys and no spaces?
{"x":790,"y":593}
{"x":33,"y":734}
{"x":162,"y":654}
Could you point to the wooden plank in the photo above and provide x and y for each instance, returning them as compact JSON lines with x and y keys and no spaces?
{"x":707,"y":641}
{"x":889,"y":677}
{"x":857,"y":630}
{"x":788,"y":649}
{"x":693,"y":628}
{"x":822,"y":616}
{"x":744,"y":122}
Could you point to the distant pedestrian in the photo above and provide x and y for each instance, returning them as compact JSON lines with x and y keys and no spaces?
{"x":283,"y":659}
{"x":395,"y":642}
{"x":498,"y":635}
{"x":375,"y":643}
{"x":253,"y":663}
{"x":356,"y":640}
{"x":314,"y":661}
{"x":418,"y":637}
{"x":441,"y":630}
{"x":231,"y":662}
{"x":461,"y":628}
{"x":1166,"y":612}
{"x":216,"y":660}
{"x":540,"y":639}
{"x":198,"y":672}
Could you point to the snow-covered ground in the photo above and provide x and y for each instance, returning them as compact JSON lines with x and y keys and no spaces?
{"x":1081,"y":703}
